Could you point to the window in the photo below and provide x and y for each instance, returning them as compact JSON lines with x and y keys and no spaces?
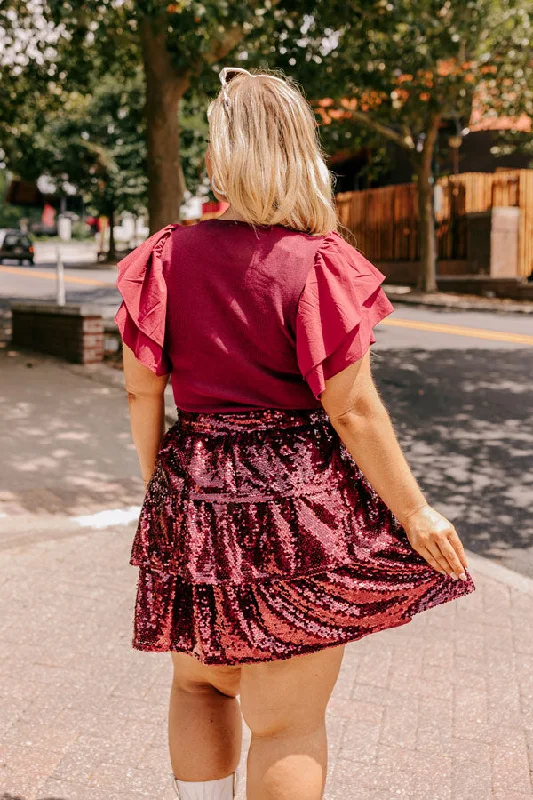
{"x":12,"y":239}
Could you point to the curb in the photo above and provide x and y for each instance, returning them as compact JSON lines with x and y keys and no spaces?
{"x":497,"y":572}
{"x":26,"y":530}
{"x":456,"y":303}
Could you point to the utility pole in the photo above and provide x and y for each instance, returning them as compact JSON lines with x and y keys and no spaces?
{"x":60,"y":279}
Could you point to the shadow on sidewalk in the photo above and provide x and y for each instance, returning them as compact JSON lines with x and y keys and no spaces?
{"x":19,"y":797}
{"x":65,"y":439}
{"x":465,"y":420}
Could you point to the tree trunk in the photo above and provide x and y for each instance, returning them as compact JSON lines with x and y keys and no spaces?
{"x":427,"y":276}
{"x":426,"y":232}
{"x":164,"y":89}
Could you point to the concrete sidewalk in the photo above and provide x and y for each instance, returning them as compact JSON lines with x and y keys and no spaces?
{"x":407,"y":295}
{"x":439,"y":708}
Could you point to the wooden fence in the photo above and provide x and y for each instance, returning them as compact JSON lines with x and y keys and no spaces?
{"x":385,"y":221}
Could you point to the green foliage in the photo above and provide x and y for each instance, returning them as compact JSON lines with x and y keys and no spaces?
{"x":105,"y":36}
{"x":94,"y":41}
{"x":9,"y":215}
{"x":26,"y":67}
{"x":394,"y":68}
{"x":80,"y":231}
{"x":194,"y":131}
{"x":96,"y":143}
{"x":396,"y":65}
{"x":508,"y":143}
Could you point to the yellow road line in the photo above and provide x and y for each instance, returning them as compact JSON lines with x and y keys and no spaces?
{"x":460,"y":330}
{"x":51,"y":276}
{"x":436,"y":327}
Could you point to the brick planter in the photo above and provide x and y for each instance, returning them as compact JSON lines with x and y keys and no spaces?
{"x":73,"y":333}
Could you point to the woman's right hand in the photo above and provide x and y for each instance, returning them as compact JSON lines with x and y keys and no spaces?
{"x":436,"y":540}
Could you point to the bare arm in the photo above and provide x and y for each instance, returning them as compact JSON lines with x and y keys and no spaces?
{"x":357,"y":413}
{"x":145,"y":392}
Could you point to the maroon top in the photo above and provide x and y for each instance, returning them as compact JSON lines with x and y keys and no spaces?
{"x":246,"y":318}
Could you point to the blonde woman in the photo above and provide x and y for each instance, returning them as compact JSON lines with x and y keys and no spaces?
{"x":280,"y":519}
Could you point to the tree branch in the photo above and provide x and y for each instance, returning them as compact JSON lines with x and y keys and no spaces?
{"x":403,"y":139}
{"x":221,"y":48}
{"x":232,"y":37}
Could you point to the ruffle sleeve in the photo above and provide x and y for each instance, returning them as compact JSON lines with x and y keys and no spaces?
{"x":141,"y":315}
{"x":341,"y":302}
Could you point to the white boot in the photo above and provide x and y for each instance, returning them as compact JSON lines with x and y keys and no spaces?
{"x":221,"y":789}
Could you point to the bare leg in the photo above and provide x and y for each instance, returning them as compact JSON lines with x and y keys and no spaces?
{"x":284,"y":703}
{"x":204,"y":720}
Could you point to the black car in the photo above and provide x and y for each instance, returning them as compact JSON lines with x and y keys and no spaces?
{"x":16,"y":246}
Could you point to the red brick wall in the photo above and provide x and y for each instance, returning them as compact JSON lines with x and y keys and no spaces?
{"x":75,"y":338}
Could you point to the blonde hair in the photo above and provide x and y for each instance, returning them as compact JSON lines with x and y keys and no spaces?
{"x":266,"y":157}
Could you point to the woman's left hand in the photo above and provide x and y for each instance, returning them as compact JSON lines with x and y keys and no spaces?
{"x":436,"y":540}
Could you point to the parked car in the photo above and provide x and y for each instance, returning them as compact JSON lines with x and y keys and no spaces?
{"x":16,"y":246}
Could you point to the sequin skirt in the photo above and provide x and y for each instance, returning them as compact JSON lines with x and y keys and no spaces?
{"x":259,"y":539}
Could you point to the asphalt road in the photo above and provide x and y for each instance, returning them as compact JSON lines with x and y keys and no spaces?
{"x":464,"y":417}
{"x":84,"y":281}
{"x":462,"y":405}
{"x":458,"y":388}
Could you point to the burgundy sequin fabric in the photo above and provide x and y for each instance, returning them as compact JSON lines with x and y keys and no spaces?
{"x":259,"y":539}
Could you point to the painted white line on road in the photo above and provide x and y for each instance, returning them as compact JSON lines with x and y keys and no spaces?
{"x":112,"y":516}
